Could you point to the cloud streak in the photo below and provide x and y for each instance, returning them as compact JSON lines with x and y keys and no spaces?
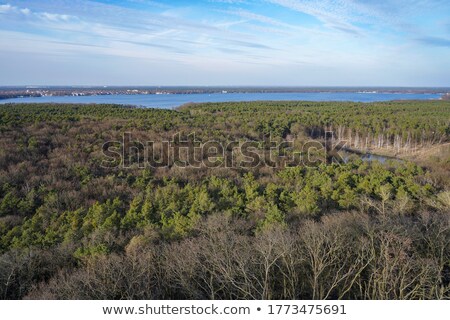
{"x":154,"y":31}
{"x":435,"y":41}
{"x":346,"y":40}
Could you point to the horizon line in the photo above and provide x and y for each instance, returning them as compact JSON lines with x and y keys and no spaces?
{"x":214,"y":86}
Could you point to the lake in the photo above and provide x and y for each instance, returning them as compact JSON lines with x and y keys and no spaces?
{"x":169,"y":101}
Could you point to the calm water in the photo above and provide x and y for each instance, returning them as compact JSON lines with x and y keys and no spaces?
{"x":168,"y":101}
{"x":348,"y":155}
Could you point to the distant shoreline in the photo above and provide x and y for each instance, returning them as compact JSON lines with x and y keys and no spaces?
{"x":28,"y":92}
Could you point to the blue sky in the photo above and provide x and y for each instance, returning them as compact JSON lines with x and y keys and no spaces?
{"x":225,"y":42}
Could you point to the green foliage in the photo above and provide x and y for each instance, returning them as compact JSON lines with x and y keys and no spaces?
{"x":251,"y":187}
{"x":306,"y":201}
{"x":91,"y":251}
{"x":274,"y":216}
{"x":178,"y":225}
{"x":106,"y":216}
{"x":9,"y":204}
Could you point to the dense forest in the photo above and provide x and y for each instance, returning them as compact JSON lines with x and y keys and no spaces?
{"x":72,"y":227}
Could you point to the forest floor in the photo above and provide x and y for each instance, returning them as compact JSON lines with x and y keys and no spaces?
{"x":413,"y":154}
{"x":425,"y":153}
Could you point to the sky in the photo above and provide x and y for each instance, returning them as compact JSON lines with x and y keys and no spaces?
{"x":225,"y":42}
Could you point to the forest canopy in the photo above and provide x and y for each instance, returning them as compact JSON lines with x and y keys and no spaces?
{"x":71,"y":228}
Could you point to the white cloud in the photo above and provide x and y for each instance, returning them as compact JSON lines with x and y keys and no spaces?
{"x":337,"y":14}
{"x":55,"y":17}
{"x":25,"y":11}
{"x":347,"y":15}
{"x":146,"y":36}
{"x":244,"y":37}
{"x":148,"y":32}
{"x":5,"y":8}
{"x":280,"y":26}
{"x":254,"y":16}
